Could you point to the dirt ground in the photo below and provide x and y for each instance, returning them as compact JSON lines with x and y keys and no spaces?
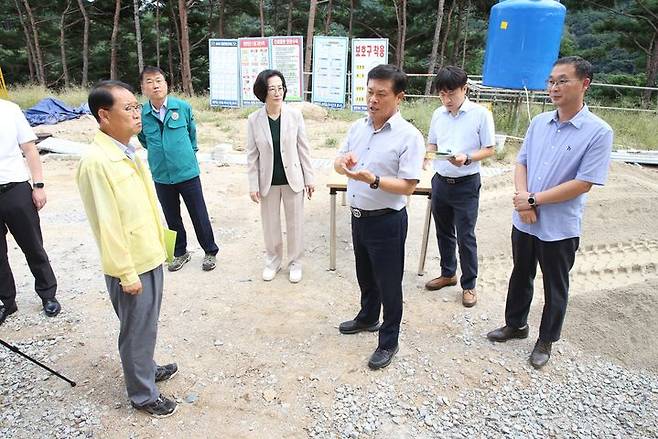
{"x":254,"y":356}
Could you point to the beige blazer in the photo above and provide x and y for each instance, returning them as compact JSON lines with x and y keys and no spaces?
{"x":295,"y":151}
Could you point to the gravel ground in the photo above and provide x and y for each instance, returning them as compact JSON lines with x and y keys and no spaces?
{"x":265,"y":360}
{"x":579,"y":397}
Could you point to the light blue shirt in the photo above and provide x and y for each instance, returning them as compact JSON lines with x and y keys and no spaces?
{"x":554,"y":153}
{"x":470,"y":130}
{"x":162,"y":112}
{"x":395,"y":150}
{"x":128,"y":149}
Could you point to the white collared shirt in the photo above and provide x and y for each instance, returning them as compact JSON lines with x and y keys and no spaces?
{"x":162,"y":112}
{"x":395,"y":150}
{"x":128,"y":149}
{"x":14,"y":131}
{"x":470,"y":130}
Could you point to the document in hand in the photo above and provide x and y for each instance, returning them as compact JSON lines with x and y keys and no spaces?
{"x":170,"y":242}
{"x":438,"y":155}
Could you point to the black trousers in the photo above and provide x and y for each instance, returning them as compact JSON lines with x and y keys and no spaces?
{"x":19,"y":216}
{"x":192,"y":194}
{"x":379,"y":254}
{"x":555,"y":259}
{"x":455,"y":210}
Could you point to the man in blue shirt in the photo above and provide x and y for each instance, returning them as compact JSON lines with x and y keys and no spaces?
{"x":464,"y":133}
{"x":169,"y":135}
{"x":565,"y":152}
{"x":382,"y":158}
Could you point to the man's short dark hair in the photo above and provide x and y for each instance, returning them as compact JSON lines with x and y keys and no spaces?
{"x":583,"y":67}
{"x":260,"y":84}
{"x":149,"y":70}
{"x":101,"y":96}
{"x":449,"y":78}
{"x":391,"y":72}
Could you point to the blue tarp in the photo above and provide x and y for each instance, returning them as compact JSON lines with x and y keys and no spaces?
{"x":50,"y":111}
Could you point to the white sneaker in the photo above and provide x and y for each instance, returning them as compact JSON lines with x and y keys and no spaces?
{"x":270,"y":273}
{"x":295,"y":274}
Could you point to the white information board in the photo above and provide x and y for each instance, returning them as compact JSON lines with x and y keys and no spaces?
{"x":287,"y":57}
{"x":224,"y":63}
{"x":329,"y":71}
{"x":254,"y":58}
{"x":366,"y":54}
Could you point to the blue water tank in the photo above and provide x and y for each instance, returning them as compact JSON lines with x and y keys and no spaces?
{"x":523,"y":42}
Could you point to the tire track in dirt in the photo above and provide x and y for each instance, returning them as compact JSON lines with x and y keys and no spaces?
{"x":597,"y":266}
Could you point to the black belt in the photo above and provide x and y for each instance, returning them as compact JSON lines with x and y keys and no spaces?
{"x":360,"y":213}
{"x":455,"y":180}
{"x":5,"y":187}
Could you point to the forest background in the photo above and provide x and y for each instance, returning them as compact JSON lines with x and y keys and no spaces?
{"x":63,"y":44}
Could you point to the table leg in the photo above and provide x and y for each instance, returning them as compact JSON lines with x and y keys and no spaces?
{"x":343,"y":198}
{"x":332,"y":232}
{"x":426,"y":233}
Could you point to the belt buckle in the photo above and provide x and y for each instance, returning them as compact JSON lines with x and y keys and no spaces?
{"x":356,"y":212}
{"x":451,"y":181}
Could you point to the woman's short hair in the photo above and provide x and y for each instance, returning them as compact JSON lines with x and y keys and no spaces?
{"x":260,"y":85}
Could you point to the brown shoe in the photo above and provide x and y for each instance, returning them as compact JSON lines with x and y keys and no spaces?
{"x":440,"y":282}
{"x":469,"y":298}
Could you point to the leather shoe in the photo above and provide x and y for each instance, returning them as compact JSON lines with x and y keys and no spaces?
{"x":541,"y":354}
{"x":6,"y":311}
{"x":51,"y":307}
{"x":440,"y":282}
{"x":469,"y":298}
{"x":354,"y":326}
{"x":506,"y":332}
{"x":382,"y":357}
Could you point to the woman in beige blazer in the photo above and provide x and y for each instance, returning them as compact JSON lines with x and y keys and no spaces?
{"x":280,"y":170}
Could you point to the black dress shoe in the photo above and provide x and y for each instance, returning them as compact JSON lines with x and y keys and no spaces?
{"x":51,"y":307}
{"x":6,"y":311}
{"x":354,"y":326}
{"x":541,"y":354}
{"x":382,"y":358}
{"x":505,"y":333}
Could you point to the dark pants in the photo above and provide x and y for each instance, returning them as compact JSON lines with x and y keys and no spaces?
{"x":379,"y":253}
{"x":455,"y":209}
{"x":192,"y":194}
{"x":555,"y":259}
{"x":19,"y":216}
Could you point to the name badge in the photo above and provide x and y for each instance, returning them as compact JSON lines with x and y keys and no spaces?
{"x":175,"y":115}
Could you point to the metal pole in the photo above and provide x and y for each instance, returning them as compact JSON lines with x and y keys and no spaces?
{"x":426,"y":233}
{"x":16,"y":350}
{"x":332,"y":230}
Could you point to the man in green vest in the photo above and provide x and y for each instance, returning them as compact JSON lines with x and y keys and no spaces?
{"x":169,"y":135}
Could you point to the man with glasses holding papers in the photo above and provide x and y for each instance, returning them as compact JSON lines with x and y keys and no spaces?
{"x":461,"y":134}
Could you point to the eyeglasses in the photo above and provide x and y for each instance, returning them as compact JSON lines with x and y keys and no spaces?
{"x":133,"y":108}
{"x":559,"y":83}
{"x":275,"y":89}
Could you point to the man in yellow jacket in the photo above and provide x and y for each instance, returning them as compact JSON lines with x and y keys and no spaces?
{"x":119,"y":198}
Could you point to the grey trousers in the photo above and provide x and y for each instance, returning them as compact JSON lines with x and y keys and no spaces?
{"x":138,"y":321}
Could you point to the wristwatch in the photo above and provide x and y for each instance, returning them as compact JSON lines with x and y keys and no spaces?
{"x":468,"y":160}
{"x":532,"y":201}
{"x":375,"y":184}
{"x":38,"y":185}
